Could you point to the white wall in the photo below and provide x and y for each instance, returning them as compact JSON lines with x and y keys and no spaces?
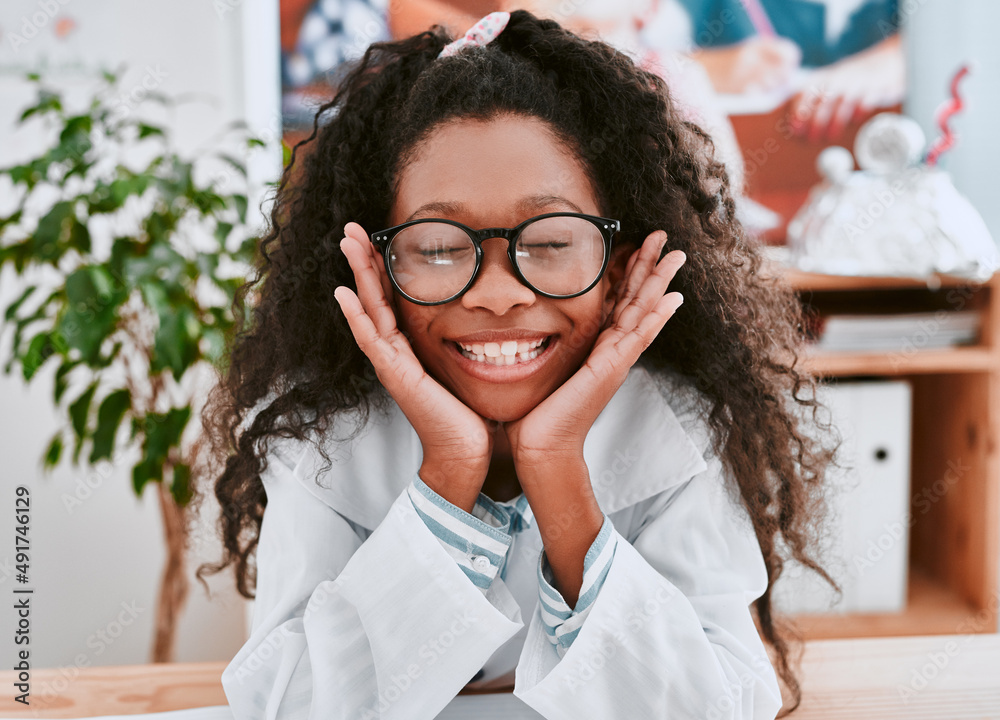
{"x":96,"y":549}
{"x":939,"y":36}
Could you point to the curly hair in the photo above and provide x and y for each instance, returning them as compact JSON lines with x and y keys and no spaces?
{"x":738,"y":340}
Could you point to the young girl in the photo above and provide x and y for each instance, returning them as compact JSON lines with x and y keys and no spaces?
{"x":499,"y":455}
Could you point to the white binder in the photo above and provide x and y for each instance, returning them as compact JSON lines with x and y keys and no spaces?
{"x":868,"y":543}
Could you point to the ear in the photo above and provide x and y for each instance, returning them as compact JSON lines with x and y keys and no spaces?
{"x":615,"y":274}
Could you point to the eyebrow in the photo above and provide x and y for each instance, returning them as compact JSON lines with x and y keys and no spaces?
{"x":526,"y":204}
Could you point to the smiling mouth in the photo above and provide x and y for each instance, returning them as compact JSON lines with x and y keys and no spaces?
{"x":511,"y":352}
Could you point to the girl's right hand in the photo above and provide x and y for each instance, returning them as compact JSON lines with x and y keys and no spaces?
{"x":457,"y":442}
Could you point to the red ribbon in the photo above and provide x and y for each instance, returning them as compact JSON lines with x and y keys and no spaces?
{"x":945,"y":112}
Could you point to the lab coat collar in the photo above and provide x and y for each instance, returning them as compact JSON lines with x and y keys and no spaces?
{"x":636,"y":448}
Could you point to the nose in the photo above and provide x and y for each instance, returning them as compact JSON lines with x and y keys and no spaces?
{"x":497,"y":287}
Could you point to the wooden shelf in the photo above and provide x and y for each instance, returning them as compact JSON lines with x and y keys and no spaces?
{"x":954,"y":484}
{"x":931,"y":609}
{"x":800,"y":280}
{"x":950,"y":360}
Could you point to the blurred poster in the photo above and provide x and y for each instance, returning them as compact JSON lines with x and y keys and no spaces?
{"x":773,"y":81}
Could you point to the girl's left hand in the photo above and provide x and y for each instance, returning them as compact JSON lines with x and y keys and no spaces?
{"x":556,"y":429}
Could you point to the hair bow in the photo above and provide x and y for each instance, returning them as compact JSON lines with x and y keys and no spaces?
{"x":479,"y":34}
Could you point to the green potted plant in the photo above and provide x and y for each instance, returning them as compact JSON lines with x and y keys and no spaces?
{"x":134,"y":319}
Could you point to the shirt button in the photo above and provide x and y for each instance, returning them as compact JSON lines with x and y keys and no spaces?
{"x":481,"y":563}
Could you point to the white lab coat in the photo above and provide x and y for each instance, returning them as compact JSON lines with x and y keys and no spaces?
{"x":361,"y":613}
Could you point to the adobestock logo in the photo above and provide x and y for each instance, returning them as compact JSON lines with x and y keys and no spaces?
{"x":32,"y":25}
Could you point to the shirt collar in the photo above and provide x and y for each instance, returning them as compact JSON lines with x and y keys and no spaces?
{"x":636,"y":448}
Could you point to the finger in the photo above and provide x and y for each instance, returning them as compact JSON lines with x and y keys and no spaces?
{"x":622,"y":284}
{"x":653,"y":321}
{"x":392,"y":357}
{"x":354,"y":230}
{"x":631,"y":344}
{"x":842,"y":115}
{"x":799,"y":113}
{"x":790,"y":51}
{"x":617,"y":350}
{"x":642,"y":266}
{"x":806,"y":105}
{"x":631,"y":262}
{"x":652,"y":290}
{"x":821,"y":117}
{"x":370,"y":291}
{"x":379,"y":266}
{"x":365,"y":333}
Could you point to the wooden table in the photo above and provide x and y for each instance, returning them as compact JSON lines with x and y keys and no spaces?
{"x":930,"y":676}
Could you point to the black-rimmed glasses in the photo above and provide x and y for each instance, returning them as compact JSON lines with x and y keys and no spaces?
{"x":431,"y":261}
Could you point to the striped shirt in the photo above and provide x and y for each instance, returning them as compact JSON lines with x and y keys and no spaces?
{"x":479,"y":541}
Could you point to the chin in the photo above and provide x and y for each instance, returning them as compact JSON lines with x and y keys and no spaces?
{"x":502,"y":409}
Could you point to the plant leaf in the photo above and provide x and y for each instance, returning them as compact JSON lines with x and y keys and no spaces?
{"x":54,"y":451}
{"x":147,"y":130}
{"x":240,"y":203}
{"x":79,"y":237}
{"x":143,"y":473}
{"x":46,"y":244}
{"x":61,"y":382}
{"x":109,"y":417}
{"x":180,"y":488}
{"x":48,"y":101}
{"x":11,"y":219}
{"x":237,"y":165}
{"x":39,"y":350}
{"x":78,"y":411}
{"x":92,"y":299}
{"x":176,"y":345}
{"x":222,"y":230}
{"x":162,"y":431}
{"x":14,"y":306}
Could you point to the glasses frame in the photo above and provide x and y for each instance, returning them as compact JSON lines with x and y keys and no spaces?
{"x":607,"y":227}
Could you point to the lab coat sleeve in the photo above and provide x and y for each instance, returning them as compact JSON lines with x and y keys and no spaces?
{"x":561,"y":622}
{"x":388,"y":627}
{"x":670,"y":635}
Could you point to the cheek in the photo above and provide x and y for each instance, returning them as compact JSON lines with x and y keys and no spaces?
{"x":591,"y":316}
{"x":587,"y":320}
{"x":414,"y":323}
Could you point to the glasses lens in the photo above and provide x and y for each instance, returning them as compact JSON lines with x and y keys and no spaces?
{"x":431,"y":261}
{"x":560,"y":255}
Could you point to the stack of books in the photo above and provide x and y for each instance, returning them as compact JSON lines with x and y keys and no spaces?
{"x":873,"y":333}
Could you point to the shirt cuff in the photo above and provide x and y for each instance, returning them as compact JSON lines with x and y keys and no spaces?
{"x":562,"y":624}
{"x":478,"y":542}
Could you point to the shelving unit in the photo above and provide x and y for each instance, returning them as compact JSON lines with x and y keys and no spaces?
{"x":954,"y":540}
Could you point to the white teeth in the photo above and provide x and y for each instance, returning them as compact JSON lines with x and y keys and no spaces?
{"x":519,"y":355}
{"x":508,"y":347}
